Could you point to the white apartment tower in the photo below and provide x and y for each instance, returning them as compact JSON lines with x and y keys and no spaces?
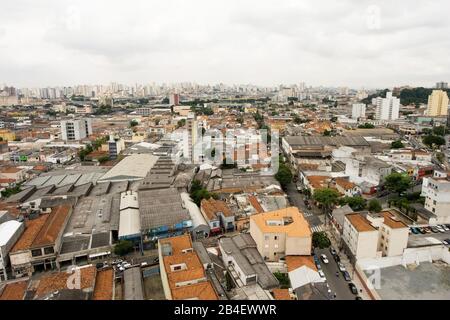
{"x":387,"y":108}
{"x":75,"y":130}
{"x":358,"y":111}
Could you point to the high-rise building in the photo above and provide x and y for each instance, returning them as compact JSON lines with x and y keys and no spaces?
{"x":387,"y":108}
{"x":174,"y":99}
{"x":437,"y":103}
{"x":358,"y":110}
{"x":442,"y":85}
{"x":75,"y":130}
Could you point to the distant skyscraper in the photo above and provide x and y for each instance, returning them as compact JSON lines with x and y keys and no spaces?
{"x":358,"y":111}
{"x":174,"y":99}
{"x":442,"y":85}
{"x":437,"y":103}
{"x":387,"y":108}
{"x":75,"y":130}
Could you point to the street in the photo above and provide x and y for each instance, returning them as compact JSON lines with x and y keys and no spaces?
{"x":337,"y":285}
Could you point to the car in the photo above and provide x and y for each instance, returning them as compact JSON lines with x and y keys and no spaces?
{"x":121,"y":268}
{"x":332,"y":251}
{"x":341,"y":267}
{"x":143,"y":264}
{"x":324,"y":258}
{"x":346,"y":276}
{"x":422,"y":230}
{"x":414,"y":230}
{"x":337,"y":258}
{"x":156,"y":260}
{"x":353,"y":288}
{"x":99,"y":265}
{"x":448,"y":226}
{"x":126,"y":265}
{"x":358,"y":298}
{"x":443,"y":226}
{"x":321,"y":274}
{"x":446,"y":241}
{"x":427,"y":229}
{"x":434,"y":229}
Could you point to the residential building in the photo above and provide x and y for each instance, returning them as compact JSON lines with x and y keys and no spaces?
{"x":437,"y":103}
{"x":182,"y":273}
{"x":10,"y":232}
{"x":360,"y":237}
{"x":218,"y":215}
{"x":347,"y":188}
{"x":174,"y":99}
{"x":115,"y":147}
{"x":75,"y":130}
{"x":436,"y":191}
{"x":281,"y":233}
{"x":358,"y":111}
{"x":387,"y":108}
{"x":442,"y":85}
{"x":14,"y":173}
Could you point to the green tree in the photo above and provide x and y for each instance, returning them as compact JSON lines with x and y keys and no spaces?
{"x":181,"y":123}
{"x":366,"y":126}
{"x":283,"y":279}
{"x":320,"y":240}
{"x":374,"y":205}
{"x":397,"y":182}
{"x":123,"y":247}
{"x":103,"y":159}
{"x":284,"y":175}
{"x":326,"y":197}
{"x":327,"y":133}
{"x":439,"y":131}
{"x":397,"y":144}
{"x":133,"y":123}
{"x":433,"y":141}
{"x":356,"y":203}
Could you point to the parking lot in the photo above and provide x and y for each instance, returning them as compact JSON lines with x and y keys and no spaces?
{"x":429,"y":235}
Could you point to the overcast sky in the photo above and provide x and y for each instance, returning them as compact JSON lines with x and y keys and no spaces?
{"x":354,"y":43}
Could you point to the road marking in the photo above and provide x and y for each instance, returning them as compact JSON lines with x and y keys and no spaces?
{"x":318,"y":228}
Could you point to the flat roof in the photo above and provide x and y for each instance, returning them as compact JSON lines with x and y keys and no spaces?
{"x":132,"y":167}
{"x":360,"y":222}
{"x":7,"y":230}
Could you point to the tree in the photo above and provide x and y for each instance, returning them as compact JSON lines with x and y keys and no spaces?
{"x":439,"y":131}
{"x":123,"y":247}
{"x":374,"y":205}
{"x":284,"y":175}
{"x":103,"y":159}
{"x":320,"y":240}
{"x":327,"y":133}
{"x":181,"y":123}
{"x":326,"y":197}
{"x":397,"y":144}
{"x":356,"y":203}
{"x":366,"y":126}
{"x":397,"y":182}
{"x":433,"y":141}
{"x":133,"y":123}
{"x":283,"y":279}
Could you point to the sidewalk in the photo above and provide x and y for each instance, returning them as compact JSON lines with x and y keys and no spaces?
{"x":346,"y":262}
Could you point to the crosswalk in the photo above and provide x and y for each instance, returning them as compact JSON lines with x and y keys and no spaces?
{"x":308,"y":214}
{"x":318,"y":228}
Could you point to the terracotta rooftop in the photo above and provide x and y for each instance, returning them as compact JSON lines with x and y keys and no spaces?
{"x":389,"y":220}
{"x":10,"y":169}
{"x":360,"y":223}
{"x":14,"y":291}
{"x":211,"y":207}
{"x":298,"y":226}
{"x":200,"y":291}
{"x":58,"y":281}
{"x":52,"y":226}
{"x":281,"y":294}
{"x":345,"y":184}
{"x":295,"y":262}
{"x":32,"y":228}
{"x":255,"y":204}
{"x":104,"y":285}
{"x":318,"y":182}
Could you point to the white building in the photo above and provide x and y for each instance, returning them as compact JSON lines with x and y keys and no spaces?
{"x":75,"y":130}
{"x":358,"y":110}
{"x":130,"y":221}
{"x":436,"y":191}
{"x":10,"y":232}
{"x":387,"y":108}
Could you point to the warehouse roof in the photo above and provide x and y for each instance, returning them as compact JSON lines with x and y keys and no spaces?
{"x":133,"y":167}
{"x":7,"y":230}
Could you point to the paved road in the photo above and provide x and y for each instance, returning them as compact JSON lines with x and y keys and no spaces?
{"x":313,"y":216}
{"x":337,"y":285}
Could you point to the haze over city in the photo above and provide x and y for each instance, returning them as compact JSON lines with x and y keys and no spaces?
{"x":347,"y":43}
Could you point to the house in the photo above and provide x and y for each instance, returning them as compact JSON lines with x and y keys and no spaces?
{"x":10,"y":232}
{"x":218,"y":215}
{"x":182,"y":273}
{"x":39,"y":244}
{"x":347,"y":188}
{"x":302,"y":270}
{"x":281,"y":233}
{"x":14,"y":173}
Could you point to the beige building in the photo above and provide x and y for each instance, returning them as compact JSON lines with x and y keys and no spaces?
{"x":438,"y":103}
{"x":281,"y":233}
{"x":375,"y":235}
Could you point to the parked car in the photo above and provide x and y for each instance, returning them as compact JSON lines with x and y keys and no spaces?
{"x":337,"y":258}
{"x":346,"y":276}
{"x":448,"y":226}
{"x":341,"y":267}
{"x":353,"y":288}
{"x":358,"y":298}
{"x":126,"y":265}
{"x":434,"y":229}
{"x":324,"y":258}
{"x":443,"y":226}
{"x":422,"y":230}
{"x":99,"y":265}
{"x":415,"y":230}
{"x":427,"y":229}
{"x":332,"y":251}
{"x":446,"y":241}
{"x":321,"y":274}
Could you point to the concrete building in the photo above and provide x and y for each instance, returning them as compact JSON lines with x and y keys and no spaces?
{"x":200,"y":228}
{"x":75,"y":130}
{"x":218,"y":215}
{"x":360,"y":237}
{"x":129,"y":221}
{"x":442,"y":85}
{"x":182,"y":273}
{"x":358,"y":111}
{"x":10,"y":232}
{"x":437,"y":103}
{"x":436,"y":191}
{"x":115,"y":147}
{"x":281,"y":233}
{"x":387,"y":108}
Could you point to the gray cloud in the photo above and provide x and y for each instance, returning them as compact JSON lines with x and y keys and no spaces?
{"x":348,"y":42}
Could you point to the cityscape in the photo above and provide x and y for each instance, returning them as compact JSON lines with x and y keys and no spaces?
{"x":169,"y":189}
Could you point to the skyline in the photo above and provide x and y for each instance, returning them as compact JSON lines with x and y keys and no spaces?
{"x":358,"y":44}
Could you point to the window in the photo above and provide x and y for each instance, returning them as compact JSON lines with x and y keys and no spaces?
{"x":266,"y":238}
{"x":49,"y":250}
{"x":36,"y":252}
{"x":176,"y":268}
{"x":275,"y":238}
